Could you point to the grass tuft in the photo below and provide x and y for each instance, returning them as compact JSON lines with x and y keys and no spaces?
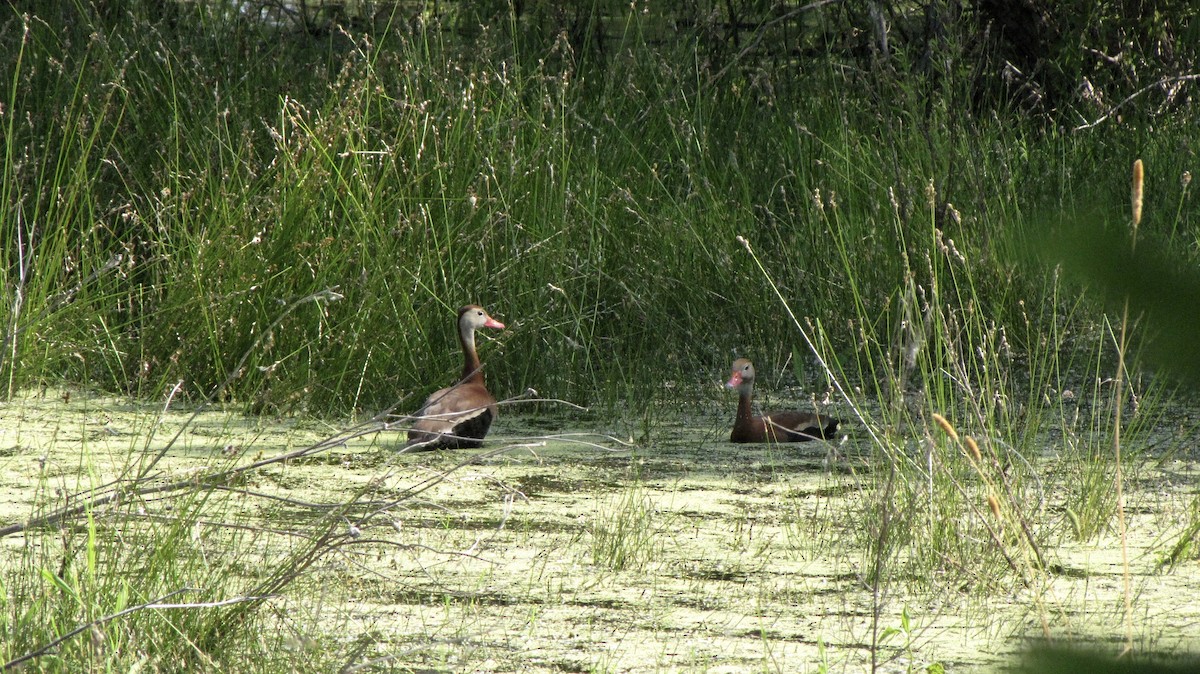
{"x":626,"y":533}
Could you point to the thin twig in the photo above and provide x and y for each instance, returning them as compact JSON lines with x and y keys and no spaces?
{"x":761,"y":33}
{"x":51,"y":304}
{"x":10,"y":337}
{"x":879,"y":566}
{"x":210,"y":479}
{"x":812,"y":348}
{"x":152,"y":604}
{"x":329,"y":295}
{"x":1112,"y":111}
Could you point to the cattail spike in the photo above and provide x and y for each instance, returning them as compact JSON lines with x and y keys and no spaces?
{"x":1137,"y":193}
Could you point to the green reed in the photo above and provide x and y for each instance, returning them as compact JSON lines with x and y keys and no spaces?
{"x":594,"y":210}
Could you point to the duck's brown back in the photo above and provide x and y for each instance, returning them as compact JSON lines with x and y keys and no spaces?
{"x":454,"y":418}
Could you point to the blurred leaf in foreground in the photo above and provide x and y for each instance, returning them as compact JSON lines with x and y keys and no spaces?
{"x":1059,"y":660}
{"x":1163,"y":290}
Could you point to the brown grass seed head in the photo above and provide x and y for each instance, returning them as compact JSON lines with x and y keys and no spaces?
{"x":946,"y":427}
{"x":974,"y":450}
{"x":994,"y":504}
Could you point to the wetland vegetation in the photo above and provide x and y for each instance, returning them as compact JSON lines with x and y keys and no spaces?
{"x":235,"y":235}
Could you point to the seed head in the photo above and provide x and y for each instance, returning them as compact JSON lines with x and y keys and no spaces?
{"x":974,"y":450}
{"x":946,"y":427}
{"x":1137,"y":193}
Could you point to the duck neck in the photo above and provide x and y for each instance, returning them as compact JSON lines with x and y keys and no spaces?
{"x":472,"y":372}
{"x":745,"y":393}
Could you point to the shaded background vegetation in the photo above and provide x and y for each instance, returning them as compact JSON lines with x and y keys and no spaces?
{"x":177,"y":174}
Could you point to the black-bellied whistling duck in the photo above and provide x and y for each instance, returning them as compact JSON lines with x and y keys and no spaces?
{"x":460,"y":415}
{"x":788,"y":426}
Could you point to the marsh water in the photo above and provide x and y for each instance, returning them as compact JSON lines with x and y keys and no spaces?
{"x":573,"y":551}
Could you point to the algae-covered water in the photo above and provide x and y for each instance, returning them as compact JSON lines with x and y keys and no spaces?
{"x":579,"y":552}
